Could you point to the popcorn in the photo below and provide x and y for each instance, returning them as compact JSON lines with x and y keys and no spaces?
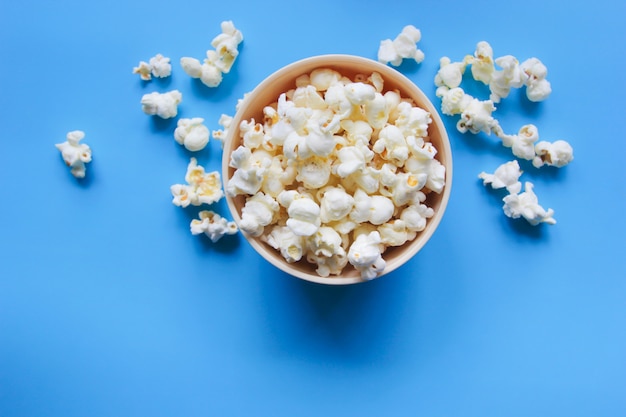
{"x":505,"y":176}
{"x":192,"y":134}
{"x":365,"y":255}
{"x":558,"y":154}
{"x":258,"y":212}
{"x":201,"y":187}
{"x":537,"y":87}
{"x":220,"y":134}
{"x":482,"y":64}
{"x":218,"y":61}
{"x":404,"y":46}
{"x":164,"y":105}
{"x":450,"y":74}
{"x":510,"y":76}
{"x":526,"y":205}
{"x":158,"y":66}
{"x":213,"y":225}
{"x":332,"y":160}
{"x":477,"y":117}
{"x":75,"y":154}
{"x":522,"y":144}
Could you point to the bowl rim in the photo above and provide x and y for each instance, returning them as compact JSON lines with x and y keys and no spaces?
{"x":331,"y":60}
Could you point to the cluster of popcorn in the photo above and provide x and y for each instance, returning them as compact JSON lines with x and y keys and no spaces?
{"x":502,"y":75}
{"x":158,"y":66}
{"x":218,"y":61}
{"x":518,"y":204}
{"x":404,"y":46}
{"x":203,"y":188}
{"x":75,"y":154}
{"x":336,"y":172}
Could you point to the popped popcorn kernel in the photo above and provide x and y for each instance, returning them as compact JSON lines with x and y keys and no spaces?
{"x":218,"y":61}
{"x":557,"y":154}
{"x":526,"y":205}
{"x":505,"y":176}
{"x":212,"y":225}
{"x":192,"y":134}
{"x":201,"y":188}
{"x":365,"y":255}
{"x":75,"y":154}
{"x":158,"y":66}
{"x":164,"y":105}
{"x":404,"y":46}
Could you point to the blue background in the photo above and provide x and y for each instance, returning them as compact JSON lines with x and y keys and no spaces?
{"x":110,"y":307}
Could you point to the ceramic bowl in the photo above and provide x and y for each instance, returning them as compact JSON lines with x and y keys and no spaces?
{"x":281,"y":81}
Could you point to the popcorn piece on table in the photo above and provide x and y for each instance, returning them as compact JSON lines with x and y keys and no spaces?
{"x":558,"y":153}
{"x":526,"y":205}
{"x":220,"y":134}
{"x":201,"y":187}
{"x":523,"y":143}
{"x":192,"y":134}
{"x":75,"y":154}
{"x":218,"y":61}
{"x":164,"y":105}
{"x":537,"y":87}
{"x":505,"y":176}
{"x":158,"y":66}
{"x":450,"y":74}
{"x":510,"y":76}
{"x":482,"y":63}
{"x":477,"y":117}
{"x":404,"y":46}
{"x":213,"y":225}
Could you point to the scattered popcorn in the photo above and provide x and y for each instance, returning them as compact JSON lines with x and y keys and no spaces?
{"x":404,"y":46}
{"x":213,"y":225}
{"x":510,"y":76}
{"x":526,"y":205}
{"x":192,"y":134}
{"x":75,"y":154}
{"x":218,"y":61}
{"x":164,"y":105}
{"x":333,"y":161}
{"x":201,"y":187}
{"x":558,"y":154}
{"x":482,"y":64}
{"x":522,"y":144}
{"x":450,"y":74}
{"x":158,"y":66}
{"x":220,"y":134}
{"x":505,"y":176}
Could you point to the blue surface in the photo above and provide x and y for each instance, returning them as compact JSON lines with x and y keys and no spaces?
{"x":110,"y":307}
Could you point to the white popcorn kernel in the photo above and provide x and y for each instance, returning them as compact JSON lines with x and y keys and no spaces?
{"x":376,"y":111}
{"x":510,"y":76}
{"x":526,"y":205}
{"x":304,"y":216}
{"x":522,"y":144}
{"x":252,"y":133}
{"x":308,"y":96}
{"x":477,"y":117}
{"x":144,"y":70}
{"x":365,"y":255}
{"x":404,"y":46}
{"x":412,"y":121}
{"x":335,"y":204}
{"x":201,"y":188}
{"x":359,"y":93}
{"x":537,"y":87}
{"x":391,"y":145}
{"x":75,"y":154}
{"x":395,"y":233}
{"x":226,"y":45}
{"x":164,"y":105}
{"x":258,"y":212}
{"x":406,"y":188}
{"x":450,"y":74}
{"x":220,"y":134}
{"x":192,"y":134}
{"x":250,"y":168}
{"x":279,"y":175}
{"x":160,"y":66}
{"x":191,"y":66}
{"x":324,"y":248}
{"x":313,"y":172}
{"x":323,"y":78}
{"x":213,"y":225}
{"x":290,"y":245}
{"x":414,"y":217}
{"x":557,"y":154}
{"x":454,"y":100}
{"x":505,"y":176}
{"x":482,"y":63}
{"x":376,"y":209}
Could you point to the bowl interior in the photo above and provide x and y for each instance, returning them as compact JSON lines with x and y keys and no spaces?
{"x":268,"y":91}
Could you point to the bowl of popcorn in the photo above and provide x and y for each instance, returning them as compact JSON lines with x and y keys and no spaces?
{"x":337,"y":169}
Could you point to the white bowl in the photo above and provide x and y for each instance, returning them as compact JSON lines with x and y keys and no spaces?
{"x":281,"y":81}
